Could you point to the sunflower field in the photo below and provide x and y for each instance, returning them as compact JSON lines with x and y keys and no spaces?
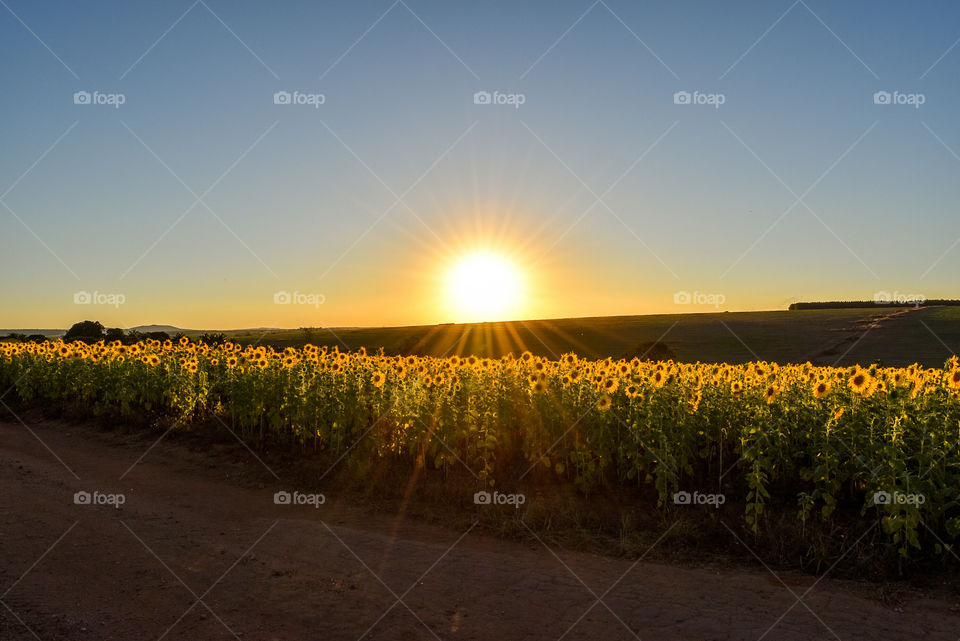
{"x":880,"y":443}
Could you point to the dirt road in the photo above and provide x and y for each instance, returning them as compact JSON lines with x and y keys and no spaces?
{"x":192,"y":555}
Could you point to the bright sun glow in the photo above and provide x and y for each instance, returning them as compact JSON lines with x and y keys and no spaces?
{"x":484,"y":286}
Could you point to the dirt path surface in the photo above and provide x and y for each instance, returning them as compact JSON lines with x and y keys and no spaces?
{"x":264,"y":571}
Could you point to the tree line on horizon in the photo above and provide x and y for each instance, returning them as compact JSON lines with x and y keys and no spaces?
{"x":92,"y":331}
{"x":857,"y":304}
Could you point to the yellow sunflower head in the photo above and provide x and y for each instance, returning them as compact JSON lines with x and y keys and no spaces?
{"x":953,"y":379}
{"x":860,"y":381}
{"x":770,"y":394}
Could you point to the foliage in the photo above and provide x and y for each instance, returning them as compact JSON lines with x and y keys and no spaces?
{"x":820,"y":442}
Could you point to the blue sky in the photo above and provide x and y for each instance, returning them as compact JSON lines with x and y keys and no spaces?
{"x":304,"y":199}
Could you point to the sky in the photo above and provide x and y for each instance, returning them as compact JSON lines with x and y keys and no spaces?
{"x":230,"y":164}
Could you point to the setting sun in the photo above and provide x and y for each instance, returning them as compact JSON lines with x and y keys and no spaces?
{"x":484,"y":286}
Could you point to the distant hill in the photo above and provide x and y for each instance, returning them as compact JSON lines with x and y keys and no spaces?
{"x":892,"y":335}
{"x":170,"y":329}
{"x":49,"y":333}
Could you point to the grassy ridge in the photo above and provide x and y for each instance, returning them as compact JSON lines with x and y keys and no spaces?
{"x":824,"y":337}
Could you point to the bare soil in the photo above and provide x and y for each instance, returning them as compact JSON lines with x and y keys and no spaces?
{"x":199,"y":550}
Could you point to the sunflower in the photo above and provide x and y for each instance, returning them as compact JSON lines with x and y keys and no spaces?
{"x":539,"y":386}
{"x":610,"y":385}
{"x":770,"y":394}
{"x":860,"y":382}
{"x":736,"y":387}
{"x":821,"y":389}
{"x":953,"y":379}
{"x":604,"y":403}
{"x":631,"y":391}
{"x":232,"y":362}
{"x":659,"y":378}
{"x":378,"y":379}
{"x":289,"y":361}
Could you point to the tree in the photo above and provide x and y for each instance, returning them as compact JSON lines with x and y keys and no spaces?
{"x":309,"y":334}
{"x":115,"y":334}
{"x":86,"y":331}
{"x":213,"y":338}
